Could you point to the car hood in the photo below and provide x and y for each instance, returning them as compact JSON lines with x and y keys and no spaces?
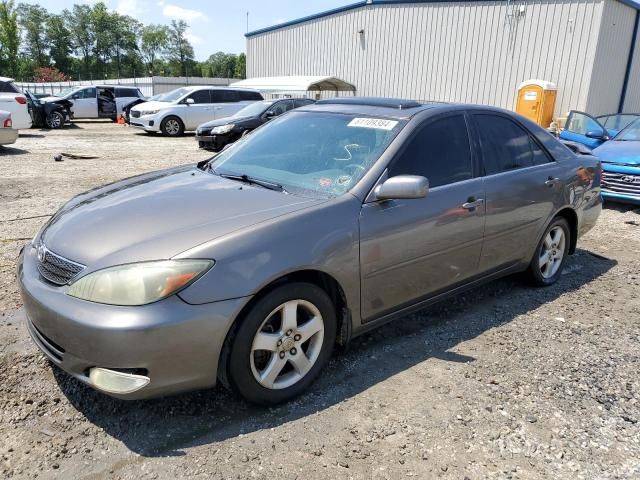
{"x":159,"y":215}
{"x":626,"y":153}
{"x":51,"y":99}
{"x":228,"y":120}
{"x":152,"y":105}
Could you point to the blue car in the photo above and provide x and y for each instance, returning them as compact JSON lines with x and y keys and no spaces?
{"x":615,"y":140}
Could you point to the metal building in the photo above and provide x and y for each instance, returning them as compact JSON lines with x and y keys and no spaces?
{"x":465,"y":51}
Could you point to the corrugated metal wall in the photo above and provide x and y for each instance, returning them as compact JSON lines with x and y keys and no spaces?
{"x":632,"y":100}
{"x":455,"y":51}
{"x":612,"y":53}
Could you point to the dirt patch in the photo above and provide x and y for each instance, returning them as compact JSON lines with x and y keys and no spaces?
{"x":503,"y":382}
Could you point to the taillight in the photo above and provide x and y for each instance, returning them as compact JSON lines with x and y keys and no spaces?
{"x":21,"y":100}
{"x":8,"y":123}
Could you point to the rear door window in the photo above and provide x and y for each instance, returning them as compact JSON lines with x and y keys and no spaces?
{"x":126,"y":92}
{"x":225,"y":96}
{"x":440,"y":151}
{"x":249,"y":96}
{"x":506,"y":145}
{"x":9,"y":87}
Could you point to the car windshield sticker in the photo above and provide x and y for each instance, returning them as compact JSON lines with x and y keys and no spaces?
{"x":325,"y":182}
{"x":379,"y":123}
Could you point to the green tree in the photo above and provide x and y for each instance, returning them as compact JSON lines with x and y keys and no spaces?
{"x":154,"y":41}
{"x":9,"y":38}
{"x":82,"y":33}
{"x":32,"y":20}
{"x":179,"y":50}
{"x":59,"y":43}
{"x":241,"y":67}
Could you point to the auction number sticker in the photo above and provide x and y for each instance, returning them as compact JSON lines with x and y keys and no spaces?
{"x":378,"y":123}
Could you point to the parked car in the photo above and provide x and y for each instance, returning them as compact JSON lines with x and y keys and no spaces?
{"x":322,"y":224}
{"x":14,"y":101}
{"x":217,"y":134}
{"x":615,"y":140}
{"x":8,"y":134}
{"x":97,"y":101}
{"x":183,"y":109}
{"x":126,"y":111}
{"x":48,"y":114}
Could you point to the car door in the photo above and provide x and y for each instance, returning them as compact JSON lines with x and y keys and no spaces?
{"x":124,"y":96}
{"x":225,"y":102}
{"x":280,"y":107}
{"x":198,"y":112}
{"x":522,"y":186}
{"x":411,"y":249}
{"x":85,"y":103}
{"x":583,"y":128}
{"x":614,"y":122}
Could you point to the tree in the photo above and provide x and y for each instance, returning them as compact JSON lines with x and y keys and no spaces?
{"x":241,"y":67}
{"x":32,"y":20}
{"x":9,"y":38}
{"x":82,"y":33}
{"x":154,"y":41}
{"x":179,"y":50}
{"x":59,"y":43}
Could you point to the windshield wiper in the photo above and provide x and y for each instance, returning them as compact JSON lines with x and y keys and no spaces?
{"x":252,"y":180}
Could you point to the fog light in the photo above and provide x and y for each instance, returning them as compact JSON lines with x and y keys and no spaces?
{"x":112,"y":381}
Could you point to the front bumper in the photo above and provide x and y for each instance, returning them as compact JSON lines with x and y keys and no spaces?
{"x":213,"y":142}
{"x":8,"y":136}
{"x":178,"y":344}
{"x":149,"y":123}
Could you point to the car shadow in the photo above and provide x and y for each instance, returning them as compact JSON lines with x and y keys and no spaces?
{"x":5,"y":150}
{"x":165,"y":427}
{"x":34,"y":135}
{"x":621,"y":207}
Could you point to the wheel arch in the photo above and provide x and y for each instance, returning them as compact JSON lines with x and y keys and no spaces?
{"x":315,"y":277}
{"x":570,"y":215}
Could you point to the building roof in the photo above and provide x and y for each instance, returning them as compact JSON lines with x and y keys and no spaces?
{"x":363,"y":3}
{"x":297,"y":83}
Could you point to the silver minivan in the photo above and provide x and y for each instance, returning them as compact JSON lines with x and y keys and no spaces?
{"x":98,"y":101}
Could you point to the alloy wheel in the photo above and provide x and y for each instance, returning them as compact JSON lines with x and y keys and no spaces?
{"x":172,"y":127}
{"x":552,"y":252}
{"x":287,"y":344}
{"x":54,"y":121}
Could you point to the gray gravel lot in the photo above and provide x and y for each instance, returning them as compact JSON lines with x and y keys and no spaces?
{"x":503,"y":382}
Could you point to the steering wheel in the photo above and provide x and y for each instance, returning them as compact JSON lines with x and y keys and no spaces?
{"x":353,"y":168}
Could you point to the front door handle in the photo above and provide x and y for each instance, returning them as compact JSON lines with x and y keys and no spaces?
{"x":551,"y":181}
{"x":473,"y":203}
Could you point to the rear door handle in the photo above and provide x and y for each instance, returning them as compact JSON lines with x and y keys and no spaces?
{"x":551,"y":181}
{"x":472,"y":204}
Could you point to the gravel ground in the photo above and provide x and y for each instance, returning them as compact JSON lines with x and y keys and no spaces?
{"x":503,"y":382}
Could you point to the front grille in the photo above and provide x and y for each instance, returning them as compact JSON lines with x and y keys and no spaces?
{"x":52,"y":349}
{"x":622,"y":183}
{"x":135,"y":114}
{"x":56,"y":269}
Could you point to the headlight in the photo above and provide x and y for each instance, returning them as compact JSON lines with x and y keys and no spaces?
{"x":148,"y":112}
{"x":138,"y":283}
{"x":222,"y":130}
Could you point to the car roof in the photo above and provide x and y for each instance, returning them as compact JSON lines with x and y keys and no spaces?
{"x":217,"y":87}
{"x":6,"y":79}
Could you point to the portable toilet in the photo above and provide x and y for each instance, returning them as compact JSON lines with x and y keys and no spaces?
{"x":537,"y":101}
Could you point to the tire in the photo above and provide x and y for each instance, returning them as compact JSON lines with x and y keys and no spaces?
{"x":172,"y":127}
{"x":55,"y":120}
{"x":551,"y":254}
{"x":277,"y":373}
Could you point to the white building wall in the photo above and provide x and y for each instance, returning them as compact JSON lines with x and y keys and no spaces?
{"x":455,"y":51}
{"x":632,"y":99}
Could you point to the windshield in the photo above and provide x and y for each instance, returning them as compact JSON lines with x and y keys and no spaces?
{"x":65,"y":92}
{"x":173,"y":95}
{"x":253,"y":110}
{"x":630,"y":134}
{"x":310,"y":152}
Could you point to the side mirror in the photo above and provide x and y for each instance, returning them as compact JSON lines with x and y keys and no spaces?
{"x":189,"y":101}
{"x":269,"y":114}
{"x":597,"y":135}
{"x":402,"y":186}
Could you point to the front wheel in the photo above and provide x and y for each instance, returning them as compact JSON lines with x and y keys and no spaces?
{"x":172,"y":127}
{"x":55,"y":120}
{"x":548,"y":261}
{"x":282,"y":343}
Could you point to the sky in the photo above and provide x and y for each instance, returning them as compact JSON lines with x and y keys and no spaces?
{"x":214,"y":25}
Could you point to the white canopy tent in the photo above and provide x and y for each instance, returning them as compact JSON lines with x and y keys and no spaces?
{"x":295,"y":85}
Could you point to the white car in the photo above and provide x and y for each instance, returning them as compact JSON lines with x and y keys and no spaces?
{"x":7,"y":133}
{"x":97,"y":101}
{"x":183,"y":109}
{"x":12,"y":100}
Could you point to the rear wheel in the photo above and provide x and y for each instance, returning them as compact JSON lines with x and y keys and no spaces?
{"x":547,"y":263}
{"x":172,"y":127}
{"x":282,"y":343}
{"x":55,"y":120}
